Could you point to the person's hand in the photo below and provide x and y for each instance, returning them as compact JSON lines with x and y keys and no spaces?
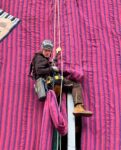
{"x":54,"y":68}
{"x":58,"y":50}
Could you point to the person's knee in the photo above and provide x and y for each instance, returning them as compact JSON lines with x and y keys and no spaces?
{"x":76,"y":85}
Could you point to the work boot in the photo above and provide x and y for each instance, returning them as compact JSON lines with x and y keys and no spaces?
{"x":80,"y":111}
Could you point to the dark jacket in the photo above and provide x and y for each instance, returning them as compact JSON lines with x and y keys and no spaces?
{"x":41,"y":66}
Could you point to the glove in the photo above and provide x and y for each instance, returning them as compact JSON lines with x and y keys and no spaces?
{"x":54,"y":68}
{"x":58,"y":50}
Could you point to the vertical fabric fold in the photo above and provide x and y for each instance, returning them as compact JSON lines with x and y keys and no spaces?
{"x":54,"y":116}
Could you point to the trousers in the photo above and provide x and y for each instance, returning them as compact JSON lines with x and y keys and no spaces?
{"x":76,"y":91}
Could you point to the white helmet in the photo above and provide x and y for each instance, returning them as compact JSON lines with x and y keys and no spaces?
{"x":47,"y":45}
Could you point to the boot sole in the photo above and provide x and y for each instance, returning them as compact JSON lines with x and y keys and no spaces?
{"x":83,"y":114}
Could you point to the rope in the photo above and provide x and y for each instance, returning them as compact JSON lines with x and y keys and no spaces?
{"x":55,"y":16}
{"x":54,"y":27}
{"x":59,"y":36}
{"x":57,"y":9}
{"x":58,"y":23}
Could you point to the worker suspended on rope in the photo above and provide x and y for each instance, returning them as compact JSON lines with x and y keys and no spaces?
{"x":43,"y":69}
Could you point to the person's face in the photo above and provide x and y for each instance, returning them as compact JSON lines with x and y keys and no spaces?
{"x":46,"y":53}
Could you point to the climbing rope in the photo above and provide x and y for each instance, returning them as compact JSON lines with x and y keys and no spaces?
{"x":54,"y":28}
{"x":57,"y":10}
{"x":57,"y":14}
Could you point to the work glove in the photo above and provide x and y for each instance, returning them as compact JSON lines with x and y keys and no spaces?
{"x":54,"y":68}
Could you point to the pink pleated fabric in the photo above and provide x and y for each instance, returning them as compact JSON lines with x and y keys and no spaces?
{"x":54,"y":116}
{"x":91,"y":48}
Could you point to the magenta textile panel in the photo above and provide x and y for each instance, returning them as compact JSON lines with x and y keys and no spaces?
{"x":91,"y":43}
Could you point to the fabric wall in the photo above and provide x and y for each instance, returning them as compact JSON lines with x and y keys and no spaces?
{"x":91,"y":43}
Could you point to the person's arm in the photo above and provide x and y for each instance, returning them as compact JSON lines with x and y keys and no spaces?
{"x":41,"y":66}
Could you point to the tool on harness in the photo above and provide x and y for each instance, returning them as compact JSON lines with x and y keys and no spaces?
{"x":41,"y":86}
{"x":40,"y":89}
{"x":54,"y":82}
{"x":56,"y":79}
